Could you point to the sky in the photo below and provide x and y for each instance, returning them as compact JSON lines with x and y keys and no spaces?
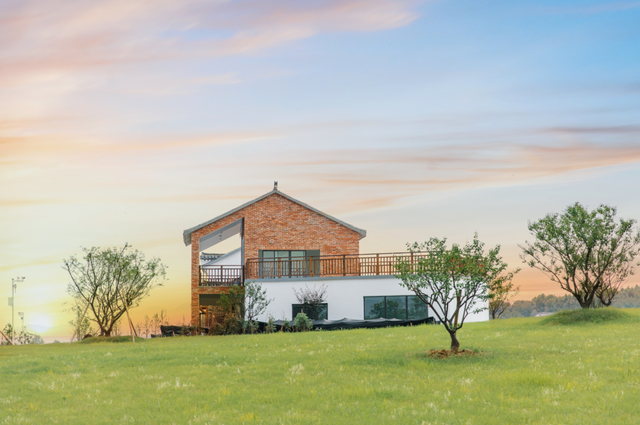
{"x":128,"y":121}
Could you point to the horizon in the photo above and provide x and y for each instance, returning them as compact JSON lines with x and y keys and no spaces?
{"x":130,"y":121}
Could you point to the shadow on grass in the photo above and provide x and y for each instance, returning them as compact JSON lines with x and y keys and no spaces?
{"x":589,"y":316}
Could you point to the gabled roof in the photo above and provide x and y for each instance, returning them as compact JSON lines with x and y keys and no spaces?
{"x":187,"y":233}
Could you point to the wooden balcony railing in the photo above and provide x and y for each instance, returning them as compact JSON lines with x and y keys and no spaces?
{"x":329,"y":265}
{"x":324,"y":265}
{"x":221,"y":275}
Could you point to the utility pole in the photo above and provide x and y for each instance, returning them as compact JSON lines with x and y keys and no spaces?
{"x":12,"y":302}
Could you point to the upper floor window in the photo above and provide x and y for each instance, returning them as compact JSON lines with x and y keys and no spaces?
{"x":289,"y":263}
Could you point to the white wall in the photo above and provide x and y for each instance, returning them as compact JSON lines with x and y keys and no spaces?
{"x":232,"y":258}
{"x":345,"y":296}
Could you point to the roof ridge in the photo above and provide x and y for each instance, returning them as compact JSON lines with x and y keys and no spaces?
{"x":186,"y":235}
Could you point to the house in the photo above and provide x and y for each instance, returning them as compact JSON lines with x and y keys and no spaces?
{"x":287,"y":245}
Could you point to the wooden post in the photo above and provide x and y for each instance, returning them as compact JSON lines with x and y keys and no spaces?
{"x":344,"y":265}
{"x":133,"y":330}
{"x":377,"y":264}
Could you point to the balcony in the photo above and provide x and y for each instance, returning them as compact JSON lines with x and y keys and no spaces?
{"x":321,"y":266}
{"x":221,"y":275}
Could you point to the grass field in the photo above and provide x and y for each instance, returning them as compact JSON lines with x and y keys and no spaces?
{"x":528,"y":372}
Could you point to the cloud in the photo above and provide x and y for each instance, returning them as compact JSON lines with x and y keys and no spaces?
{"x":41,"y":40}
{"x":384,"y":176}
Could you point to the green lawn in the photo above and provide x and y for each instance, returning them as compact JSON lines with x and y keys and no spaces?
{"x":529,"y":373}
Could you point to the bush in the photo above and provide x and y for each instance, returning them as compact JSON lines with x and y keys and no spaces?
{"x":250,"y":326}
{"x":302,"y":323}
{"x":588,"y":316}
{"x":271,"y":326}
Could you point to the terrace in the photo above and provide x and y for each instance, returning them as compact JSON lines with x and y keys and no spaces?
{"x":306,"y":267}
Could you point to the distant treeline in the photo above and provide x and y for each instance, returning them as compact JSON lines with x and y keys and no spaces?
{"x":625,"y":298}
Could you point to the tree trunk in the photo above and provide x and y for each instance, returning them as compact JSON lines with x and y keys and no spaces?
{"x":455,"y":345}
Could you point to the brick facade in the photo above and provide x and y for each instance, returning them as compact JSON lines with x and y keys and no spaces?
{"x":275,"y":223}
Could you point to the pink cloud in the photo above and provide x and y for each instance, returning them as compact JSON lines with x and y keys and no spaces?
{"x":37,"y":38}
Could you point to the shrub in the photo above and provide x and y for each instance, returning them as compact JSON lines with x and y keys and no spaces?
{"x":302,"y":323}
{"x":271,"y":326}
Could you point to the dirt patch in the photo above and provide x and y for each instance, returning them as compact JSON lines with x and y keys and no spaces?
{"x":444,"y":354}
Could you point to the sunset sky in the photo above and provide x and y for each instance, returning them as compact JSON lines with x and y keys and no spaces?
{"x":131,"y":120}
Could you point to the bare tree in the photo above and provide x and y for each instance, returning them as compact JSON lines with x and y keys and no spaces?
{"x":146,"y":326}
{"x":312,"y":299}
{"x":80,"y":322}
{"x":108,"y":281}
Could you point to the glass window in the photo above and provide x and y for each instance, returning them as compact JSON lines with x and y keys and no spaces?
{"x":321,"y":313}
{"x":374,"y":308}
{"x":288,"y":263}
{"x":417,"y":308}
{"x":395,"y":307}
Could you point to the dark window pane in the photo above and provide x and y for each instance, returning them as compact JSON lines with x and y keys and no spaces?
{"x":417,"y":308}
{"x":373,"y":308}
{"x":397,"y":308}
{"x":321,"y":313}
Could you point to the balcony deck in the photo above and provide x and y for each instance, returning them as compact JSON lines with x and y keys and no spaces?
{"x":303,"y":267}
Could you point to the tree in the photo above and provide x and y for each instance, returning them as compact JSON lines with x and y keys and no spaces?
{"x":452,"y":282}
{"x":502,"y":290}
{"x":312,"y":299}
{"x":588,"y":253}
{"x":22,"y":338}
{"x":232,"y":306}
{"x":255,"y":300}
{"x":108,"y":281}
{"x":80,"y":322}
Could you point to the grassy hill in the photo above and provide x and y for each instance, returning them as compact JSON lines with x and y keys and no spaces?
{"x":565,"y":371}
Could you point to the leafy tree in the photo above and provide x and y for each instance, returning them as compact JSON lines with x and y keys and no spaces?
{"x":588,"y":253}
{"x":312,"y":299}
{"x":232,"y":306}
{"x":22,"y":338}
{"x":453,"y":282}
{"x":255,"y":300}
{"x":8,"y":332}
{"x":502,"y":290}
{"x":108,"y":281}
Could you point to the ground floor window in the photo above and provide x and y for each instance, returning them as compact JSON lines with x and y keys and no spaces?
{"x":321,"y":313}
{"x":404,"y":307}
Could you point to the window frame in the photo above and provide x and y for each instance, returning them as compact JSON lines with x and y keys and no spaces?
{"x":293,"y":306}
{"x":386,"y":315}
